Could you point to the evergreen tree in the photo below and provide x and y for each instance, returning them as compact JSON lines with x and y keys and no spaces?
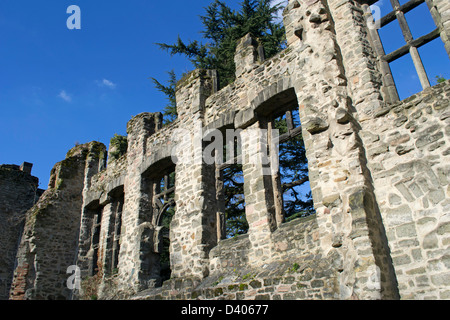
{"x":223,"y":27}
{"x":170,"y":111}
{"x":233,"y":184}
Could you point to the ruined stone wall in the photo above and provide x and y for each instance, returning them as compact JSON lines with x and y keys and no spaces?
{"x":49,"y":240}
{"x":408,"y":151}
{"x":104,"y":196}
{"x":440,"y":10}
{"x":18,"y":193}
{"x":350,"y":247}
{"x":377,"y":172}
{"x":298,"y":270}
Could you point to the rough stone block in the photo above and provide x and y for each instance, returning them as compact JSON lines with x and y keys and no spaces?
{"x":315,"y":125}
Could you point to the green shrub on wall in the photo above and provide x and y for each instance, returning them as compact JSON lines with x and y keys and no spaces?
{"x":119,"y":146}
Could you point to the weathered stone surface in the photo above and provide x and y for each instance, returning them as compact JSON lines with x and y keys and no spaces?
{"x":52,"y":228}
{"x":414,"y":168}
{"x":342,"y":116}
{"x":315,"y":125}
{"x":18,"y":193}
{"x":378,"y":171}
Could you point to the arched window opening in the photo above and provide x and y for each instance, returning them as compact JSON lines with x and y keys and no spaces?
{"x":159,"y":183}
{"x":165,"y":242}
{"x":118,"y":200}
{"x":230,"y":186}
{"x":406,"y":36}
{"x":99,"y":243}
{"x":293,"y":182}
{"x":164,"y":209}
{"x":95,"y":242}
{"x":290,"y":179}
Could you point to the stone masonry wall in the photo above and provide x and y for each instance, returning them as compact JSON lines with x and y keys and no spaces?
{"x":302,"y":273}
{"x":330,"y":70}
{"x":18,"y":193}
{"x":49,"y":241}
{"x":409,"y":157}
{"x":378,"y":174}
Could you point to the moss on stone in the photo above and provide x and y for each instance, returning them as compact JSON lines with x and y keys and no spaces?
{"x":243,"y":286}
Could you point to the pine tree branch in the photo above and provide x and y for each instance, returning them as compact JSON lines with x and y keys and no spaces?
{"x":286,"y":186}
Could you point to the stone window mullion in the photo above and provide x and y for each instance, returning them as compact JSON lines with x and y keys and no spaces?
{"x":410,"y":47}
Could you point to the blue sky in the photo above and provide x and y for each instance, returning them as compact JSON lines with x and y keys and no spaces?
{"x":433,"y":54}
{"x":59,"y":87}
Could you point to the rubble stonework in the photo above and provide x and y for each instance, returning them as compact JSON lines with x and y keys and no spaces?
{"x":49,"y":240}
{"x":18,"y":192}
{"x":378,"y":172}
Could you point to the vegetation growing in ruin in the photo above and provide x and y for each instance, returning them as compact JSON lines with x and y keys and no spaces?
{"x":91,"y":284}
{"x":223,"y":27}
{"x":170,"y":111}
{"x":295,"y":267}
{"x":90,"y":287}
{"x":440,"y":79}
{"x":119,"y":146}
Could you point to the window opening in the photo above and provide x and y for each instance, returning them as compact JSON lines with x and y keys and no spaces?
{"x":164,"y":206}
{"x":292,"y":192}
{"x":420,"y":21}
{"x":391,"y":36}
{"x":233,"y":188}
{"x":230,"y":188}
{"x":435,"y":51}
{"x":403,"y":68}
{"x":117,"y":233}
{"x":422,"y":32}
{"x":95,"y":241}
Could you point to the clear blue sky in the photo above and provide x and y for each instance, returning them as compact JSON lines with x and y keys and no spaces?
{"x":433,"y":54}
{"x":59,"y":87}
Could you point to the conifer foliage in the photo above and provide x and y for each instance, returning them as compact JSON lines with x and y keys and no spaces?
{"x":223,"y":27}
